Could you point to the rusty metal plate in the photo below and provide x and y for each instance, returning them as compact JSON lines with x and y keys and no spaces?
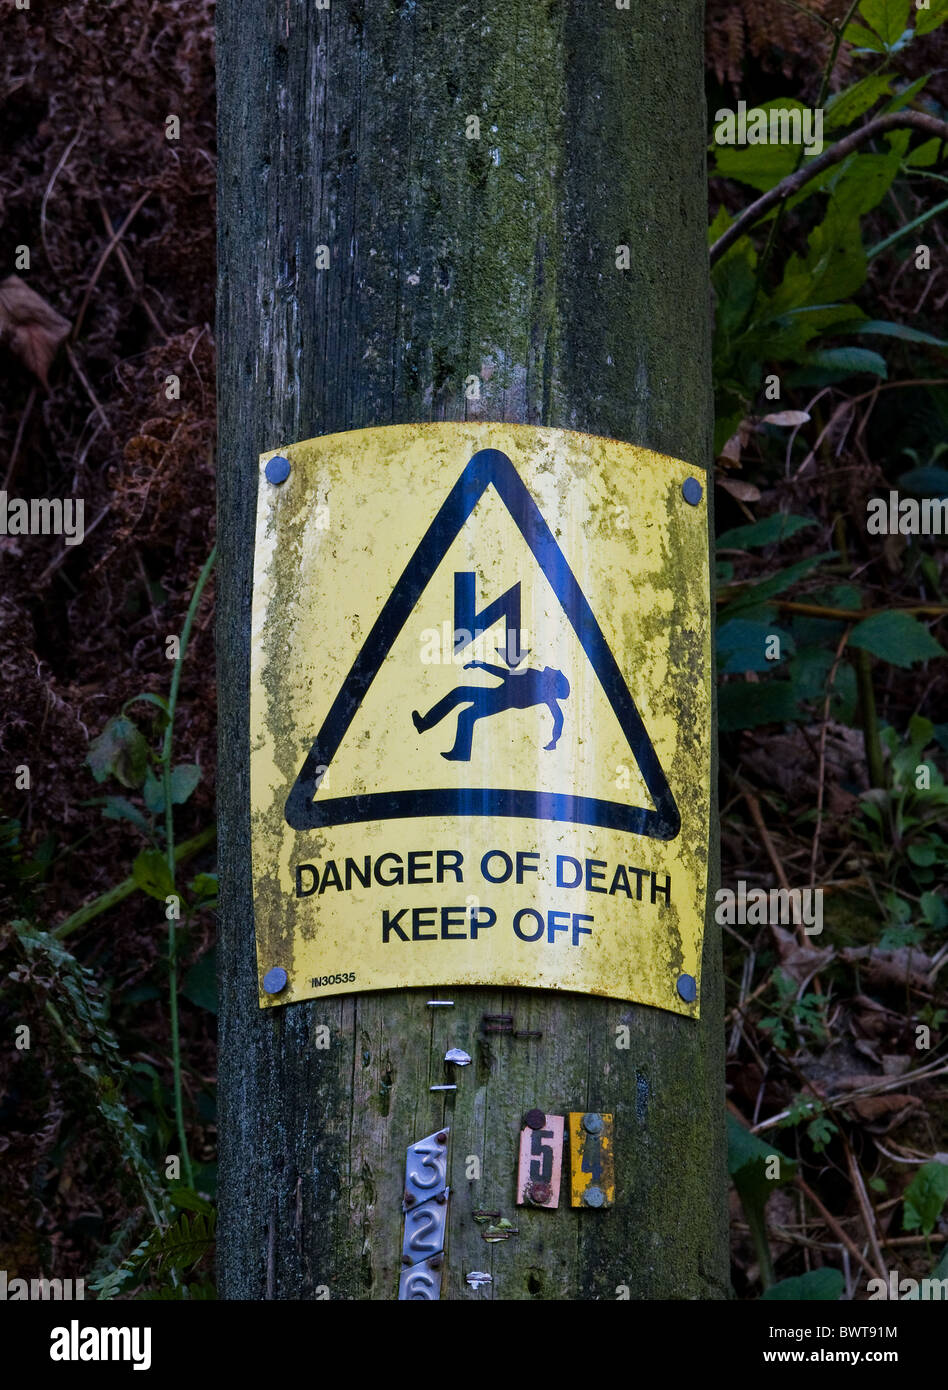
{"x":540,"y":1169}
{"x":592,"y":1160}
{"x":480,"y":715}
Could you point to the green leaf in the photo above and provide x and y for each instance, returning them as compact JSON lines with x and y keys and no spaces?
{"x":835,"y":364}
{"x":186,"y":1242}
{"x":200,"y":983}
{"x":186,"y":1199}
{"x":735,"y":285}
{"x":184,"y":778}
{"x":748,"y":1162}
{"x":863,"y":38}
{"x":908,"y":95}
{"x":925,"y":1196}
{"x":120,"y":808}
{"x":862,"y":181}
{"x":742,"y":646}
{"x":934,"y":910}
{"x":784,"y":336}
{"x":747,"y":1159}
{"x":897,"y":638}
{"x":765,"y":589}
{"x":778,"y":527}
{"x":151,"y":874}
{"x":927,"y":20}
{"x":82,"y":1015}
{"x":923,"y":855}
{"x":748,"y":704}
{"x":148,"y":698}
{"x":809,"y":671}
{"x":833,"y":269}
{"x":899,"y":141}
{"x":153,"y":793}
{"x":843,"y":108}
{"x":888,"y":18}
{"x":119,"y":751}
{"x":762,"y":165}
{"x":926,"y":482}
{"x":722,"y":220}
{"x":204,"y":887}
{"x":884,"y":329}
{"x":824,"y":1284}
{"x":925,"y":155}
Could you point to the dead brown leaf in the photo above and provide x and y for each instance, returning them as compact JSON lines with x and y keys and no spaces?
{"x":899,"y":967}
{"x":744,"y":492}
{"x":31,"y":327}
{"x":798,"y":961}
{"x":730,"y":455}
{"x":786,"y":418}
{"x":880,"y":1108}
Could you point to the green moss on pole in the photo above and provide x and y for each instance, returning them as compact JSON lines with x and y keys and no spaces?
{"x":453,"y":258}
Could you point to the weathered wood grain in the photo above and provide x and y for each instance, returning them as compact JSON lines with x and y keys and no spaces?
{"x":449,"y":258}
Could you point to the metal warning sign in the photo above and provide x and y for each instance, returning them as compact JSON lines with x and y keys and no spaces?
{"x":480,"y":715}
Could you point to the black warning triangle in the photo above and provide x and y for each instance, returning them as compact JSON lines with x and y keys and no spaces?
{"x":306,"y":811}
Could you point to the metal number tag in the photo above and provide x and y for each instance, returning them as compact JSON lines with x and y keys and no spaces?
{"x":424,"y":1229}
{"x":426,"y":1169}
{"x":592,"y":1162}
{"x":424,"y":1282}
{"x":541,"y":1161}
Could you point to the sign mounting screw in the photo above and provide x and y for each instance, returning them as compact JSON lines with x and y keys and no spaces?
{"x":535,"y":1119}
{"x":688,"y":988}
{"x":594,"y":1197}
{"x":592,"y":1124}
{"x":538,"y":1194}
{"x":275,"y":980}
{"x":277,"y":469}
{"x":691,"y":490}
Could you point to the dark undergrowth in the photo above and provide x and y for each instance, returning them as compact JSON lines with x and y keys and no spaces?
{"x":832,"y":389}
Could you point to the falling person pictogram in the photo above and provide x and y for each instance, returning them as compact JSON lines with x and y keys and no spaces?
{"x":518,"y":690}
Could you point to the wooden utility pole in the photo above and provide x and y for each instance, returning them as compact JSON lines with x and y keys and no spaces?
{"x":378,"y":248}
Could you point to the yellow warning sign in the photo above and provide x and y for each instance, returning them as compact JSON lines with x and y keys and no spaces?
{"x":480,"y":715}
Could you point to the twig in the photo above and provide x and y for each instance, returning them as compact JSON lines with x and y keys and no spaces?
{"x":834,"y":51}
{"x":166,"y":750}
{"x":821,"y":775}
{"x":757,"y":816}
{"x":21,"y":427}
{"x":828,"y":70}
{"x":865,"y":1206}
{"x":893,"y":120}
{"x":811,"y":14}
{"x":818,"y":610}
{"x":836,"y":1228}
{"x":89,"y":391}
{"x":870,"y":724}
{"x":66,"y":551}
{"x":110,"y":246}
{"x":49,"y":188}
{"x":888,"y":1083}
{"x":123,"y":262}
